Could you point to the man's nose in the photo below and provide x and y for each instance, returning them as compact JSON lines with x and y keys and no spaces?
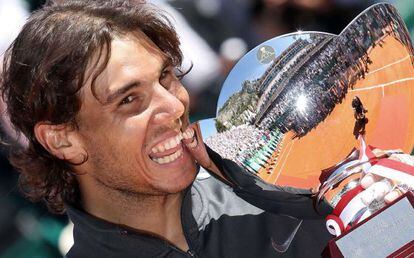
{"x":169,"y":108}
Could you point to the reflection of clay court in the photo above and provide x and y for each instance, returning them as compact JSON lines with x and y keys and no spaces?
{"x":386,"y":93}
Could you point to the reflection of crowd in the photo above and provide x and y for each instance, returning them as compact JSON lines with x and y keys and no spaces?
{"x":280,"y":63}
{"x":263,"y":153}
{"x":247,"y":145}
{"x":276,"y":77}
{"x":324,"y":81}
{"x":231,"y":142}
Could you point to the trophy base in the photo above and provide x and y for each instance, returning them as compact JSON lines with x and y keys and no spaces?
{"x":389,"y":232}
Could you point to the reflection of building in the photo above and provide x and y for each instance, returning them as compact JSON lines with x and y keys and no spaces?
{"x":273,"y":70}
{"x":278,"y":75}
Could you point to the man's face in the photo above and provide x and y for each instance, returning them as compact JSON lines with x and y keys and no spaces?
{"x":131,"y":129}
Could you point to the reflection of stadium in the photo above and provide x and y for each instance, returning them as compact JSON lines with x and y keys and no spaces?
{"x":277,"y":76}
{"x":316,"y":85}
{"x":272,"y":73}
{"x":304,"y":99}
{"x":382,"y":79}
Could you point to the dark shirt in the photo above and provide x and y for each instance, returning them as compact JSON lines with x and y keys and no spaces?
{"x":252,"y":219}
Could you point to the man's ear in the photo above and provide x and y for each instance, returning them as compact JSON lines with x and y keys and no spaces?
{"x":62,"y":141}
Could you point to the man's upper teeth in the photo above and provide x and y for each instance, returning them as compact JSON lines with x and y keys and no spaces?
{"x":168,"y":144}
{"x":173,"y":141}
{"x":160,"y":148}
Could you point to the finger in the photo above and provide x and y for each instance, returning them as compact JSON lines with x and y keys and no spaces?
{"x":404,"y":158}
{"x":379,"y":152}
{"x":197,"y":149}
{"x":369,"y":179}
{"x":397,"y":191}
{"x":392,"y":196}
{"x":193,"y":144}
{"x":188,"y":134}
{"x":376,"y":191}
{"x":193,"y":140}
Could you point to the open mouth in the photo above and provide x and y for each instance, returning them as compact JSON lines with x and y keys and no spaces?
{"x":170,"y":149}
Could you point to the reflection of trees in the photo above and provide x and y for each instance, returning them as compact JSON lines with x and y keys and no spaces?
{"x":324,"y":81}
{"x":239,"y":109}
{"x":219,"y":126}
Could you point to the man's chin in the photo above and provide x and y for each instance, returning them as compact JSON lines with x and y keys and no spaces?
{"x":172,"y":186}
{"x":176,"y":177}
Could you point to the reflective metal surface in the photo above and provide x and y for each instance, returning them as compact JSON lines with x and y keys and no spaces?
{"x":294,"y":105}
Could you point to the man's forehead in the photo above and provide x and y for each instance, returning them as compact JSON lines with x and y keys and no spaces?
{"x":131,"y":57}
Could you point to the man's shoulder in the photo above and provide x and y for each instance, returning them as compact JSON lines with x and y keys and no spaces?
{"x":212,"y":199}
{"x":220,"y":212}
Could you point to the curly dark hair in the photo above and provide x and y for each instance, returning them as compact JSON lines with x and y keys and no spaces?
{"x":44,"y":70}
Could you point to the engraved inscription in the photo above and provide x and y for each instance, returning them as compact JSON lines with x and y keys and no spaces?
{"x":383,"y":234}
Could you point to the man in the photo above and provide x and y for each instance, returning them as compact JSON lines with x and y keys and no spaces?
{"x":94,"y":87}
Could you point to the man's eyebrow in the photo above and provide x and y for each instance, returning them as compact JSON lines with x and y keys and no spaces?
{"x":112,"y":96}
{"x":119,"y":92}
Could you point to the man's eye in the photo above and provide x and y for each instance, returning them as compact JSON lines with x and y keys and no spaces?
{"x":127,"y":100}
{"x":164,"y":74}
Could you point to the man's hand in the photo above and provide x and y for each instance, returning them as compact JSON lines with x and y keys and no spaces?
{"x":194,"y":142}
{"x":379,"y":188}
{"x":195,"y":145}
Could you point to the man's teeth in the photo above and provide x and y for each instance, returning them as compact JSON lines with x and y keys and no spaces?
{"x":173,"y":141}
{"x":168,"y":144}
{"x":170,"y":158}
